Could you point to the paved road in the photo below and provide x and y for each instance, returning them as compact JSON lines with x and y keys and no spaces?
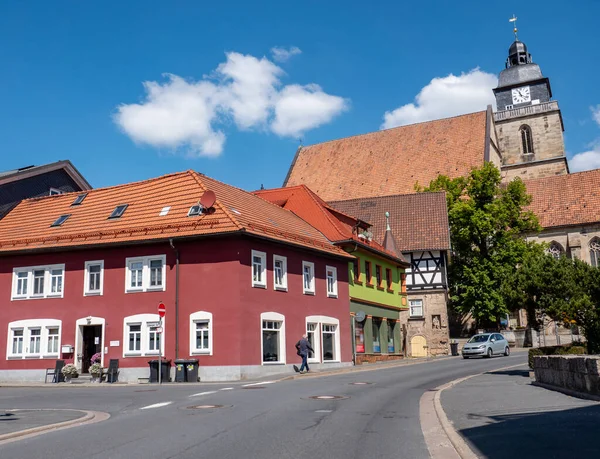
{"x":501,"y":415}
{"x":267,"y":421}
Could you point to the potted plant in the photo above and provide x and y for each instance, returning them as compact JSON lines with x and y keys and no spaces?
{"x":96,"y":372}
{"x":69,"y":371}
{"x":96,"y":358}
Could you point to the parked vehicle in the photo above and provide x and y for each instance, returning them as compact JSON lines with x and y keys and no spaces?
{"x":486,"y":345}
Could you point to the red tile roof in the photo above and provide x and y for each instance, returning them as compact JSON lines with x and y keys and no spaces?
{"x":563,"y":200}
{"x":334,"y":224}
{"x":419,"y":221}
{"x":391,"y":161}
{"x":27,"y":226}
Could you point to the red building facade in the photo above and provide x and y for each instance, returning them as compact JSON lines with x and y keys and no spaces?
{"x":237,"y":301}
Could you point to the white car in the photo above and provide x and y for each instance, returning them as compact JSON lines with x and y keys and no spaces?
{"x":486,"y":345}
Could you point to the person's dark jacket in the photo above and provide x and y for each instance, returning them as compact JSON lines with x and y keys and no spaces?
{"x":303,"y":347}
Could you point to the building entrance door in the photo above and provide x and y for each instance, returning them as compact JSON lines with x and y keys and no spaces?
{"x":92,"y":343}
{"x":418,"y":346}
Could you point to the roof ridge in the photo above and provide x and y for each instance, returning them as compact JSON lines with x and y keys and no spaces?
{"x":323,"y":209}
{"x":394,"y":128}
{"x":234,"y":220}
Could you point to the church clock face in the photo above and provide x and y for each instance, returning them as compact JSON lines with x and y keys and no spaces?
{"x":521,"y":95}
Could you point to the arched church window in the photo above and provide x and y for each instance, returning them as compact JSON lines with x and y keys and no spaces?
{"x":595,"y":252}
{"x":555,"y":250}
{"x":526,"y":139}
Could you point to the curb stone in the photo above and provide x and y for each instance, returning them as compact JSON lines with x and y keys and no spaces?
{"x":88,"y":417}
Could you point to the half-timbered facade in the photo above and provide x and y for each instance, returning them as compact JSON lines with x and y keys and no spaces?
{"x":419,"y":223}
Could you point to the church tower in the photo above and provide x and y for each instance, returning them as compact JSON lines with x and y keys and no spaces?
{"x":528,"y":122}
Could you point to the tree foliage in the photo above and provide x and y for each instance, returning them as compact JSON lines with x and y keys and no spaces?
{"x":487,"y":223}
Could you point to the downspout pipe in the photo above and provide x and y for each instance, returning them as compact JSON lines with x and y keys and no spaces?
{"x":176,"y":297}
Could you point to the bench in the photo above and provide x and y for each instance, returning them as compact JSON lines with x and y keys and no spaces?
{"x":55,"y":372}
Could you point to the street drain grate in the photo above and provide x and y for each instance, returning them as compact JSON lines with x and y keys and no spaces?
{"x":207,"y":407}
{"x":328,"y":397}
{"x":360,"y":383}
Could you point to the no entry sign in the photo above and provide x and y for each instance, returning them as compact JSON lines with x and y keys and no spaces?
{"x":162,"y":310}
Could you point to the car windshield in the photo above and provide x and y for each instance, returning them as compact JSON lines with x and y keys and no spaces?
{"x":479,"y":339}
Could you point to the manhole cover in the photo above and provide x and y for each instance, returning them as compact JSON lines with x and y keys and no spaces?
{"x":328,"y":397}
{"x":360,"y":383}
{"x":206,"y":407}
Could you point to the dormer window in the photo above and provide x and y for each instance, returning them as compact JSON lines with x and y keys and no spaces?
{"x":119,"y":210}
{"x":54,"y":191}
{"x":79,"y":199}
{"x":60,"y":220}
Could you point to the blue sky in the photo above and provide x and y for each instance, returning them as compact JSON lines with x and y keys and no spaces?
{"x":218,"y":101}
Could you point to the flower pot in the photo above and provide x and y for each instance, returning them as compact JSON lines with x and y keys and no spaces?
{"x":68,"y":379}
{"x":95,"y":378}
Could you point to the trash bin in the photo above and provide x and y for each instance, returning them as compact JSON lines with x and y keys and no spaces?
{"x":180,"y":370}
{"x":191,"y":371}
{"x":186,"y":370}
{"x":165,"y":369}
{"x":454,"y":348}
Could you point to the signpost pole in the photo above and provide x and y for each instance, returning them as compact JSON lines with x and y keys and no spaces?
{"x":159,"y":354}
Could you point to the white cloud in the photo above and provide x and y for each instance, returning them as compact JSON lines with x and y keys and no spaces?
{"x":300,"y":108}
{"x":585,"y":161}
{"x":184,"y":114}
{"x":596,"y":113}
{"x":444,"y":97}
{"x":283,"y":54}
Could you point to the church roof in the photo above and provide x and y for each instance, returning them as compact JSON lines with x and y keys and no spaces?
{"x":564,"y":200}
{"x":391,"y":161}
{"x":419,"y":221}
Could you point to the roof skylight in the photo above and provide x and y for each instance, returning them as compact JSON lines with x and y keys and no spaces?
{"x":60,"y":220}
{"x":119,"y":210}
{"x":79,"y":199}
{"x":195,"y":210}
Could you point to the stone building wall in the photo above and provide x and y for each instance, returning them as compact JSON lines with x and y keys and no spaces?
{"x":435,"y":331}
{"x":575,"y":241}
{"x":527,"y":171}
{"x":547,"y":133}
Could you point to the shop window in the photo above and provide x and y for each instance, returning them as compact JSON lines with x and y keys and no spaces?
{"x":329,"y":332}
{"x":376,"y":328}
{"x":359,"y":337}
{"x":323,"y":335}
{"x":391,"y":324}
{"x":273,"y":338}
{"x":312,"y":336}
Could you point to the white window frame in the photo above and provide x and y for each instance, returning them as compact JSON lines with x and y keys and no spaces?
{"x":142,"y":319}
{"x":146,"y":287}
{"x":316,"y":344}
{"x":201,"y":316}
{"x":411,"y":305}
{"x":44,"y":325}
{"x":54,"y":191}
{"x":263,"y":274}
{"x":86,"y":280}
{"x":320,"y":321}
{"x":274,"y":317}
{"x":334,"y":292}
{"x":46,"y":283}
{"x":284,"y":285}
{"x":311,"y":289}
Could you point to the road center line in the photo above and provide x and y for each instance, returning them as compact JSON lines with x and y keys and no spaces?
{"x":156,"y":405}
{"x":227,"y":388}
{"x":204,"y":393}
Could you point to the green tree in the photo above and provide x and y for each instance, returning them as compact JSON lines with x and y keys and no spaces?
{"x":487,"y":223}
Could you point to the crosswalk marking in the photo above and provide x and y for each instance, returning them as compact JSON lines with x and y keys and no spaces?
{"x":156,"y":405}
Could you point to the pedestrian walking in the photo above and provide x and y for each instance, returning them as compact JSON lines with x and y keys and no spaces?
{"x":303,"y":346}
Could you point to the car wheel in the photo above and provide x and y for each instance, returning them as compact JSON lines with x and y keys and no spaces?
{"x":489,"y":353}
{"x":507,"y":351}
{"x":465,"y":357}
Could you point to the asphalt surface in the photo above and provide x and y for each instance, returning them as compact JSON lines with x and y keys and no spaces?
{"x":14,"y":421}
{"x":266,"y":420}
{"x":501,"y":415}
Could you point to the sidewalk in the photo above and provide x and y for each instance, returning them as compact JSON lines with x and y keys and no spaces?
{"x":500,"y":414}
